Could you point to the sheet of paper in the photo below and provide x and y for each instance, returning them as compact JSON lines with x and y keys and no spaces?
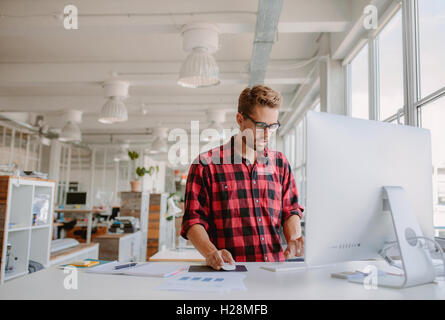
{"x":205,"y":282}
{"x":155,"y":270}
{"x":107,"y":268}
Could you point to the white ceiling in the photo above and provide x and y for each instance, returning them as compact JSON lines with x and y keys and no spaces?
{"x":46,"y":69}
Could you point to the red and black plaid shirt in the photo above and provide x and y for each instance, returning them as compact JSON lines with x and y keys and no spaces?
{"x":241,"y":206}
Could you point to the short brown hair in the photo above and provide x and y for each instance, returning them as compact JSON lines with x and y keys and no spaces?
{"x":258,"y":95}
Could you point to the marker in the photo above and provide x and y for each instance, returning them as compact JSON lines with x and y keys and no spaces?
{"x":122,"y":266}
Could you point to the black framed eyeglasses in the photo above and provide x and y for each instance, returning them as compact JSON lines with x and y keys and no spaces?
{"x":262,"y":125}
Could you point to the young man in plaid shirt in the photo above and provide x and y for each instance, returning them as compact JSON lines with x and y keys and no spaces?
{"x":240,"y":194}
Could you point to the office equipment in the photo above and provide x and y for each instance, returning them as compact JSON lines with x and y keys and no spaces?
{"x":125,"y":225}
{"x":363,"y":176}
{"x":120,"y":247}
{"x":26,"y":208}
{"x":63,"y":244}
{"x":228,"y":267}
{"x":203,"y":268}
{"x":76,"y":198}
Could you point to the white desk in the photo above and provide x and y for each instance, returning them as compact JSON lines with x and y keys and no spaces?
{"x":189,"y":255}
{"x":261,"y":284}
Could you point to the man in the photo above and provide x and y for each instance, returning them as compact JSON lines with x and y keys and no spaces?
{"x":240,"y":194}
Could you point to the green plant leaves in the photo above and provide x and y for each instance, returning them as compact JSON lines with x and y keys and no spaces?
{"x":133,"y":155}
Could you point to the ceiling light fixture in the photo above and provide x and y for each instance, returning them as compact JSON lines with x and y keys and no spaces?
{"x":122,"y":154}
{"x":216,"y":118}
{"x":159,"y":145}
{"x":71,"y":131}
{"x":114,"y":110}
{"x":199,"y":69}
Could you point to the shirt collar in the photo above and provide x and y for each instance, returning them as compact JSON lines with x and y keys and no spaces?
{"x":230,"y":155}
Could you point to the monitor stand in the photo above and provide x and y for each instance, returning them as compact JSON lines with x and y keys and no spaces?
{"x":416,"y":262}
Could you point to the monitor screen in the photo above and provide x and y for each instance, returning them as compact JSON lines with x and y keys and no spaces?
{"x":76,"y":198}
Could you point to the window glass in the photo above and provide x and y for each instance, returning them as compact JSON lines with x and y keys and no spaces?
{"x":431,"y":45}
{"x":391,"y":67}
{"x":359,"y":85}
{"x":433,"y":118}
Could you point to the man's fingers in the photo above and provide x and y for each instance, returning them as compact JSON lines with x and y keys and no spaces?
{"x":287,"y":254}
{"x":219,"y":259}
{"x":300,"y":247}
{"x":227,"y":256}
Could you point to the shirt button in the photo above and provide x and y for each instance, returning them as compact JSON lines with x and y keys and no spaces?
{"x":256,"y":200}
{"x":262,"y":238}
{"x":254,"y":182}
{"x":259,"y":219}
{"x":265,"y":258}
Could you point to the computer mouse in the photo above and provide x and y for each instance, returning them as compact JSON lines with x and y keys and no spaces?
{"x":228,"y":267}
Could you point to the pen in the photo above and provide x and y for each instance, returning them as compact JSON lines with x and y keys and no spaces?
{"x":122,"y":266}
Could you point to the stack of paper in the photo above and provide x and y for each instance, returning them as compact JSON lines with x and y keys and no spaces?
{"x":149,"y":269}
{"x":205,"y":282}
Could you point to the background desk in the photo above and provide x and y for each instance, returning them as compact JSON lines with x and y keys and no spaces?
{"x":87,"y":212}
{"x":261,"y":284}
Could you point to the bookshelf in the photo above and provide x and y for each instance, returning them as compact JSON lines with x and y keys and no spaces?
{"x":26,"y":211}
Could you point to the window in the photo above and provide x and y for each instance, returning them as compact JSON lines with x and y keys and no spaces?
{"x":391,"y":67}
{"x":300,"y":162}
{"x":431,"y":45}
{"x":359,"y":85}
{"x":433,"y":116}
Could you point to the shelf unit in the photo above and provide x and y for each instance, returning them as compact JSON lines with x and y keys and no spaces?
{"x":26,"y":211}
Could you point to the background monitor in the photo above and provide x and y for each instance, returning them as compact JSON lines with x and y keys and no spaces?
{"x":348,"y":162}
{"x":76,"y":198}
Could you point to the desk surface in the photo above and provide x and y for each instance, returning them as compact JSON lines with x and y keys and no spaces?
{"x":81,"y":211}
{"x":261,"y":284}
{"x":190,"y":255}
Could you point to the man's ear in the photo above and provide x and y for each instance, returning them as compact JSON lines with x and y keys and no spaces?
{"x":239,"y":119}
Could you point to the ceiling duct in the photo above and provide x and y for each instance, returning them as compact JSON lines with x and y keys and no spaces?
{"x":266,"y":31}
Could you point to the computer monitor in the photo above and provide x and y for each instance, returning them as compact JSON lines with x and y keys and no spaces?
{"x":76,"y":198}
{"x":348,"y":162}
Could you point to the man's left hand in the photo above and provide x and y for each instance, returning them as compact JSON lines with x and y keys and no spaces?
{"x":295,"y":248}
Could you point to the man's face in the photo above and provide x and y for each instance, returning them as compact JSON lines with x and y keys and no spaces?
{"x":260,"y":136}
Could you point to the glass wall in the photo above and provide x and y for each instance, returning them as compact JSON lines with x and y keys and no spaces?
{"x":390,"y":58}
{"x":359,"y":85}
{"x":431,"y":45}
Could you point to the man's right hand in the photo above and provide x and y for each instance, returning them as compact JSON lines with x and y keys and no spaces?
{"x":217,"y":258}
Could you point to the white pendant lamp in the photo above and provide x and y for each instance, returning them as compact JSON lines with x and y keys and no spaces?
{"x":216,"y":118}
{"x":71,"y":131}
{"x":159,"y":145}
{"x":114,"y":110}
{"x":122,"y":154}
{"x":199,"y":69}
{"x":173,"y":209}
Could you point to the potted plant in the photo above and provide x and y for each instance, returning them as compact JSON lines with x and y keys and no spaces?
{"x":136,"y":184}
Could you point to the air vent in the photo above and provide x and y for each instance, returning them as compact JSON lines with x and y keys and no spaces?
{"x":342,"y":246}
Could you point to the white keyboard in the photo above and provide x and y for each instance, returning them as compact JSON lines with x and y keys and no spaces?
{"x":62,"y":244}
